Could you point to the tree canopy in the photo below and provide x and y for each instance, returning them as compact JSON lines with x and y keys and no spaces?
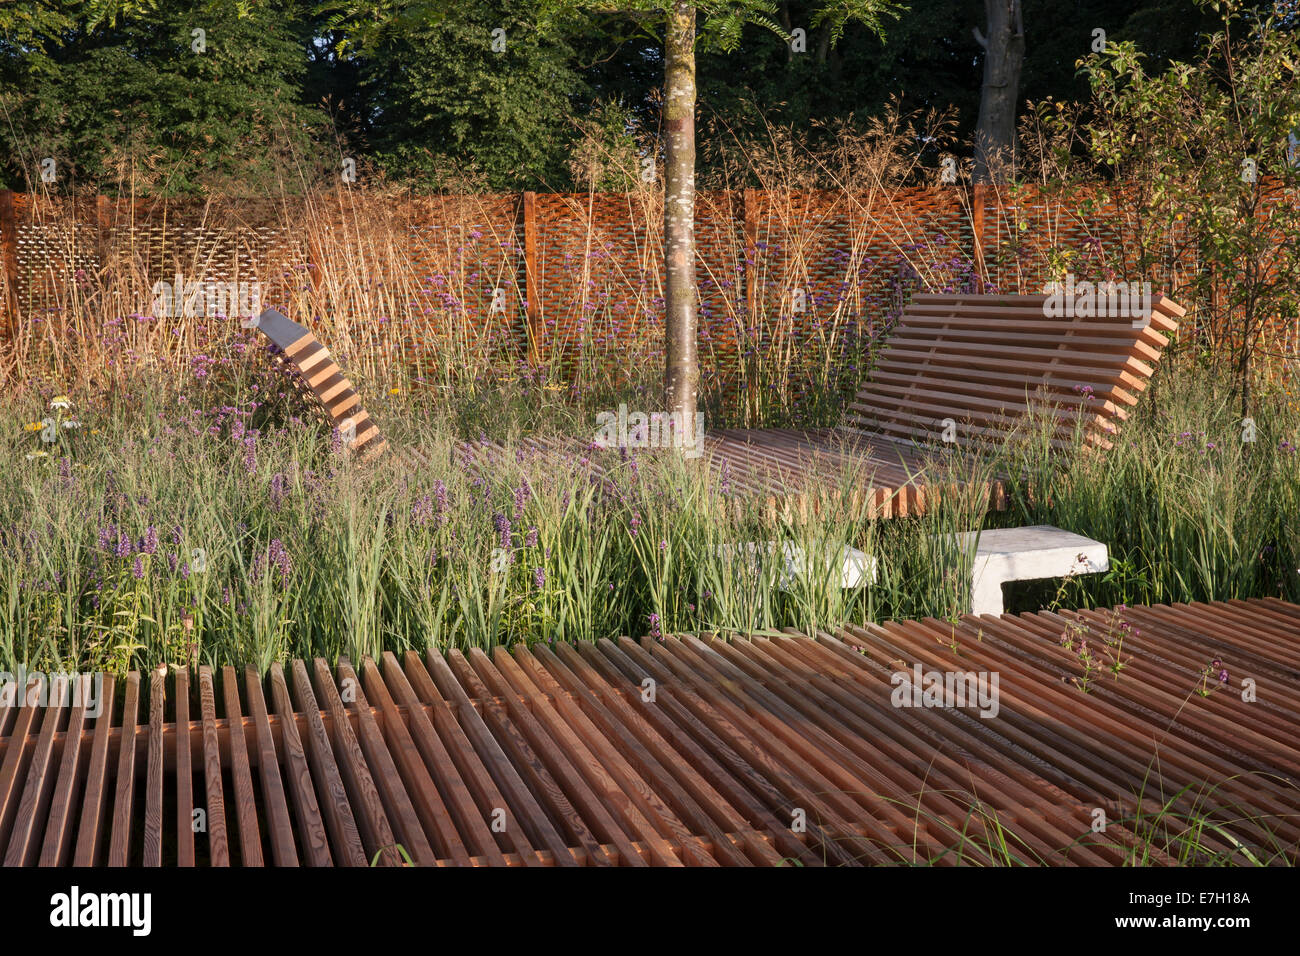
{"x":126,"y":95}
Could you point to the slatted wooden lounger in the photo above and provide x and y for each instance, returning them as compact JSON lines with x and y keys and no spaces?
{"x":963,"y":370}
{"x":322,"y":375}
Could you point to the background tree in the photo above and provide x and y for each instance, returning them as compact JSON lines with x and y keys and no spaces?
{"x":441,"y":97}
{"x":118,"y":94}
{"x":686,"y":25}
{"x":1211,"y":137}
{"x":1004,"y":53}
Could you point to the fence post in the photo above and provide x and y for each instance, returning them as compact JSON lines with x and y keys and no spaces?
{"x":977,"y":233}
{"x":751,"y":252}
{"x":531,"y":292}
{"x":104,"y":223}
{"x":9,"y":255}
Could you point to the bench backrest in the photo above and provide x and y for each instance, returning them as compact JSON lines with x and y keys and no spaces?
{"x":967,"y":368}
{"x":340,"y":401}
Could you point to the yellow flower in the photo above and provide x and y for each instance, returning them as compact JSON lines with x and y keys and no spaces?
{"x":33,"y":427}
{"x":553,"y":387}
{"x":394,"y":391}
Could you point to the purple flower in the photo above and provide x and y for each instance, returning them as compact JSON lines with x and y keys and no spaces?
{"x":539,"y":578}
{"x":278,"y":490}
{"x":149,"y":544}
{"x":137,"y":569}
{"x":530,"y":539}
{"x":279,"y":557}
{"x":502,"y":525}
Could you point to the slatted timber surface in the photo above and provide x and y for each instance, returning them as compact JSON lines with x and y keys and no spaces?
{"x":984,"y":360}
{"x":982,"y":363}
{"x":555,"y":756}
{"x":790,"y":471}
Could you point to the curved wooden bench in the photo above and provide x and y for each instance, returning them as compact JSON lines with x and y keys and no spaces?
{"x":322,"y":375}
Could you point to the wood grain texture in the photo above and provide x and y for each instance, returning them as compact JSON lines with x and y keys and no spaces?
{"x":772,"y":749}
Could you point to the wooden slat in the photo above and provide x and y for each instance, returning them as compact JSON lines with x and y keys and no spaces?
{"x":89,"y":840}
{"x":214,"y":816}
{"x":250,"y":840}
{"x":57,"y":847}
{"x":184,"y":772}
{"x":311,"y":826}
{"x":119,"y":845}
{"x":24,"y":837}
{"x":153,"y":799}
{"x":279,"y":826}
{"x":10,"y":771}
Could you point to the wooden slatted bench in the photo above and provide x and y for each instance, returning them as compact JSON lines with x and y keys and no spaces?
{"x":959,"y":372}
{"x":321,"y":374}
{"x":967,"y":371}
{"x":963,"y":372}
{"x":984,"y":362}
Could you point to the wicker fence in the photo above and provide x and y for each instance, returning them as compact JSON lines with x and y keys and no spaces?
{"x":546,"y":271}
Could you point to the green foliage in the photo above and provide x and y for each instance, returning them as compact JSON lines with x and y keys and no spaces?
{"x":123,"y":100}
{"x":1208,"y":142}
{"x":446,"y":106}
{"x":413,"y":89}
{"x":306,"y":553}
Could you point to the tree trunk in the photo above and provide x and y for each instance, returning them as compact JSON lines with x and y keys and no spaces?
{"x":1004,"y":54}
{"x":681,"y":373}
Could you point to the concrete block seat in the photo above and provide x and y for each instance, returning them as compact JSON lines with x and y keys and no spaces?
{"x":856,"y":568}
{"x":1032,"y":553}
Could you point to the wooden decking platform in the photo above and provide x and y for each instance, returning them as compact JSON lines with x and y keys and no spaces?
{"x":692,"y":751}
{"x":787,"y":470}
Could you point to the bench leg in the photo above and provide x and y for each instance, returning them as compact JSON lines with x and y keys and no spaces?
{"x":985,"y":591}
